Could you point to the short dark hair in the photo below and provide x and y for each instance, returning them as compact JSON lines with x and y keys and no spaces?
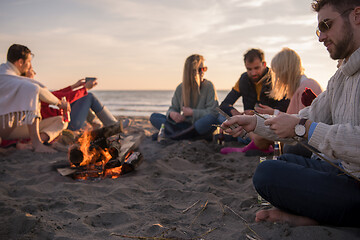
{"x":254,"y":53}
{"x":17,"y":51}
{"x":338,"y":5}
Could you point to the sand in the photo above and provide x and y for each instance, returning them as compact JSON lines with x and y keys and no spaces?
{"x":182,"y":190}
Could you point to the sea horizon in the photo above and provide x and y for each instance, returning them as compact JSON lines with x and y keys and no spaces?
{"x":143,"y":102}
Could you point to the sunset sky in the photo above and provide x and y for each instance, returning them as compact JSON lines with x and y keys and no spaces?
{"x":143,"y":44}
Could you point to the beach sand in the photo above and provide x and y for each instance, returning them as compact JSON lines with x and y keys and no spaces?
{"x":182,"y":190}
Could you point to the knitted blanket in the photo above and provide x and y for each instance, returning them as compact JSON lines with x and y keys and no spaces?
{"x":19,"y":100}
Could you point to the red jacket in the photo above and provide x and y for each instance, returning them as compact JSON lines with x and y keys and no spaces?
{"x":71,"y":96}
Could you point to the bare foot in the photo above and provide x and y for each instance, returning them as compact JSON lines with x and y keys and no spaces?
{"x":41,"y":148}
{"x":276,"y":215}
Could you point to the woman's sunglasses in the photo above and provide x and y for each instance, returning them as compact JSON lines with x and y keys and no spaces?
{"x":325,"y":24}
{"x":203,"y":69}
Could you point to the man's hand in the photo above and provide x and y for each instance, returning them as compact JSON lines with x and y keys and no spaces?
{"x":263,"y":109}
{"x":30,"y":73}
{"x":283,"y":125}
{"x":177,"y":117}
{"x":187,"y":111}
{"x":246,"y":122}
{"x":65,"y":105}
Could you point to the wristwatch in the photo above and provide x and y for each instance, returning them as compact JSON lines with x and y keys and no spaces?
{"x":300,"y":129}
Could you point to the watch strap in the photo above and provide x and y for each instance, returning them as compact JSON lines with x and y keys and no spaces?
{"x":303,"y":121}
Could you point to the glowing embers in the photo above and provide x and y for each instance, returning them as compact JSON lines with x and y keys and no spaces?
{"x":96,"y":155}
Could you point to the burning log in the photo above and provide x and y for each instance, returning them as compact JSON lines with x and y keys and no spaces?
{"x":102,"y":153}
{"x":94,"y":143}
{"x":134,"y":160}
{"x":76,"y":156}
{"x":106,"y":132}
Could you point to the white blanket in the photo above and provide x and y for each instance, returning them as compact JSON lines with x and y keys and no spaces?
{"x":19,"y":100}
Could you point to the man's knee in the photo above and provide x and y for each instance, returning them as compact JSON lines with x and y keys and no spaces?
{"x":264,"y":173}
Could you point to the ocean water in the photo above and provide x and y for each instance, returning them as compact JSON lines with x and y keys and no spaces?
{"x":143,"y":103}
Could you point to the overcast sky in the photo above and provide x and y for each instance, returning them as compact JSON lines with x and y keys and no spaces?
{"x":143,"y":44}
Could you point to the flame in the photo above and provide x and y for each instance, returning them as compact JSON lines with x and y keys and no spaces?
{"x":91,"y":157}
{"x":107,"y":156}
{"x":88,"y":154}
{"x":113,"y":172}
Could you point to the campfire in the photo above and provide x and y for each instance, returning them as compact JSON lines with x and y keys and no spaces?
{"x":102,"y":153}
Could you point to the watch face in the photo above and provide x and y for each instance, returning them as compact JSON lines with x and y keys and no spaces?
{"x":300,"y":130}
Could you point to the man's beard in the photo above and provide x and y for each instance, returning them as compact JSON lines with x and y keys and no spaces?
{"x":343,"y":47}
{"x":255,"y":79}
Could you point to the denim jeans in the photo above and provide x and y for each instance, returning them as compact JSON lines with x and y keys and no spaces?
{"x":311,"y":188}
{"x":80,"y":109}
{"x":202,"y":126}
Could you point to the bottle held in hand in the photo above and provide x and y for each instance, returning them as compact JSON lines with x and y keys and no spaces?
{"x":65,"y":114}
{"x":161,"y":134}
{"x":220,"y":138}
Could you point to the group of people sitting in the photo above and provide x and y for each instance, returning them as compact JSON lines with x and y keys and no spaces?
{"x":31,"y":116}
{"x":304,"y":190}
{"x":193,"y":112}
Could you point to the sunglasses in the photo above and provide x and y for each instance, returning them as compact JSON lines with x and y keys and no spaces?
{"x":326,"y":24}
{"x":202,"y":69}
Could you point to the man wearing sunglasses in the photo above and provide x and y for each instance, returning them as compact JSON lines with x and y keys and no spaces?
{"x":308,"y":191}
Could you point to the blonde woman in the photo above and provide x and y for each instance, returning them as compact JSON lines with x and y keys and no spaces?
{"x":290,"y":82}
{"x":193,"y":107}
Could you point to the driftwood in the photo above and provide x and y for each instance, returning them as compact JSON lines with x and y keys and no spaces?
{"x":129,"y":144}
{"x":108,"y":131}
{"x":123,"y":154}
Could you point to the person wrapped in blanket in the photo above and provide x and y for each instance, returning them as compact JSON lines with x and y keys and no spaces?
{"x":20,"y":98}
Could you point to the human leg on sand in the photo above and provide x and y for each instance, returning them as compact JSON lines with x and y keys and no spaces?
{"x":36,"y":140}
{"x":309,"y":188}
{"x":276,"y":215}
{"x":45,"y":130}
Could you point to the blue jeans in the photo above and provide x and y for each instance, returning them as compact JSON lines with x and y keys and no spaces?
{"x":80,"y":109}
{"x":311,"y":188}
{"x":202,"y":126}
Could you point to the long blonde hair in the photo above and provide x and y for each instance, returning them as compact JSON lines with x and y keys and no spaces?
{"x":287,"y":70}
{"x":190,"y":88}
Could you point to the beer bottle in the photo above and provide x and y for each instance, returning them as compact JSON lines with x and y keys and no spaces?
{"x":161,"y":134}
{"x":262,"y":201}
{"x":66,"y":114}
{"x":277,"y":150}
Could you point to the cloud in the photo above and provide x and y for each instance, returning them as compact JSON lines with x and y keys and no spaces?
{"x":253,"y":3}
{"x":138,"y":38}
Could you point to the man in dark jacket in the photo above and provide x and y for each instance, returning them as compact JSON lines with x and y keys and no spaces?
{"x":254,"y":86}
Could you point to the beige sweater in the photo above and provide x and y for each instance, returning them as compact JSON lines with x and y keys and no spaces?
{"x":337,"y":112}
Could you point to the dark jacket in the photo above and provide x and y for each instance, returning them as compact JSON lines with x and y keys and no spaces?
{"x":246,"y":88}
